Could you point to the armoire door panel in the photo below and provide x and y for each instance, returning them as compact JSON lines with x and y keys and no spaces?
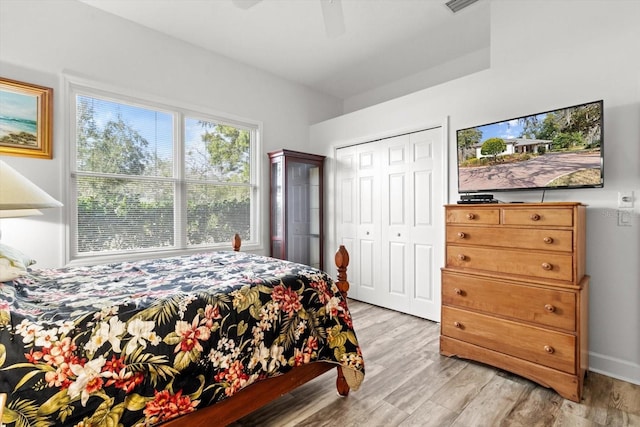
{"x":298,"y":250}
{"x":299,"y":211}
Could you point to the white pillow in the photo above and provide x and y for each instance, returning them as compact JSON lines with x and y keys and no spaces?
{"x":15,"y":257}
{"x":8,"y":272}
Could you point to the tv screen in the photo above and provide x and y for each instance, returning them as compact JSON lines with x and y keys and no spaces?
{"x":557,"y":149}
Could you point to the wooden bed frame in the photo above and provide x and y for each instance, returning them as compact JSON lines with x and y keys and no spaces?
{"x":259,"y":394}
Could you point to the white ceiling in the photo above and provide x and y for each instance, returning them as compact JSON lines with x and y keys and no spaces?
{"x":385,"y":40}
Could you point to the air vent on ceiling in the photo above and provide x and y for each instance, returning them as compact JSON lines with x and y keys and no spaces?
{"x":457,"y":5}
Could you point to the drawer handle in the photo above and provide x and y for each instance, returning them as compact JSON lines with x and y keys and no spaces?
{"x":535,"y":217}
{"x":547,"y":266}
{"x":549,"y":349}
{"x":457,"y":325}
{"x":461,"y":235}
{"x":471,"y":216}
{"x":548,"y":240}
{"x":457,"y":291}
{"x":462,"y":257}
{"x":549,"y":308}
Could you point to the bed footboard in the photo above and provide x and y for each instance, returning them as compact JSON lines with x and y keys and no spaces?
{"x":261,"y":393}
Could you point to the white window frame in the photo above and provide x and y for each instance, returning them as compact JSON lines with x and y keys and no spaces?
{"x":75,"y":87}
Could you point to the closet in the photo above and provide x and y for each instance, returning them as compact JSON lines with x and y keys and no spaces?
{"x":389,"y":215}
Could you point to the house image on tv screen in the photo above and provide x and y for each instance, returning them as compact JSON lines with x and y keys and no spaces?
{"x":560,"y":148}
{"x":518,"y":146}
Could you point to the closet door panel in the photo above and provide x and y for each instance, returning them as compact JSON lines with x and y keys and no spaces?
{"x":428,"y":193}
{"x":396,"y":281}
{"x":398,"y":187}
{"x":396,"y":206}
{"x":367,"y":208}
{"x":422,"y":273}
{"x":346,"y":214}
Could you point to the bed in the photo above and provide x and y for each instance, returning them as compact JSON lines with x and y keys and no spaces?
{"x":194,"y":340}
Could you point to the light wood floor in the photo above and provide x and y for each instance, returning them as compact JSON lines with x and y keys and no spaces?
{"x":408,"y":383}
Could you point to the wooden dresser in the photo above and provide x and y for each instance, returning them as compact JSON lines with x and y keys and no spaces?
{"x":514,"y":290}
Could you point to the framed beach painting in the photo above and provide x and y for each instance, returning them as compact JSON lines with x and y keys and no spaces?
{"x":26,"y":119}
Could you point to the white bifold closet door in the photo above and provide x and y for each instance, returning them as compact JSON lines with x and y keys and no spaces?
{"x":390,"y":217}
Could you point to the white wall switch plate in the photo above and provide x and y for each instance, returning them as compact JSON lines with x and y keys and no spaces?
{"x":625,"y":199}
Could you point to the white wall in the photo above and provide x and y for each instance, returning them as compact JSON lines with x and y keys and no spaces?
{"x":42,"y":40}
{"x":545,"y":55}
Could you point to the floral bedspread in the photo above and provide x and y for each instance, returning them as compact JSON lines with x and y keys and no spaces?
{"x":138,"y":343}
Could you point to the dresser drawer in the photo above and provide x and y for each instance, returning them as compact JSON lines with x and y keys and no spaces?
{"x":550,"y":265}
{"x":473,"y":216}
{"x":552,"y":240}
{"x":538,"y":216}
{"x":546,"y":307}
{"x":549,"y":348}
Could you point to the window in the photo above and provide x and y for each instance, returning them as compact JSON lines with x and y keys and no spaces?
{"x":153,"y":178}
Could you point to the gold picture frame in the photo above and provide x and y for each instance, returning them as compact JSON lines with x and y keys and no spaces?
{"x":26,"y":119}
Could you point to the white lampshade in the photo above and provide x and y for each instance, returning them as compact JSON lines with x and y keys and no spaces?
{"x":17,"y":213}
{"x":17,"y":193}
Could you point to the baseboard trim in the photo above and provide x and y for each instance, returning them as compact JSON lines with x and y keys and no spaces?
{"x":615,"y":368}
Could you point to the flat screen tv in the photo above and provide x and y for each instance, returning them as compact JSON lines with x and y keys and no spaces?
{"x":557,"y":149}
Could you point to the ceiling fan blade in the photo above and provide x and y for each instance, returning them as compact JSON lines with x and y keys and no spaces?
{"x":245,"y":4}
{"x":333,"y":17}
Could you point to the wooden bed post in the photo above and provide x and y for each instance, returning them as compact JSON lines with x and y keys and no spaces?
{"x":236,"y":242}
{"x":342,"y":262}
